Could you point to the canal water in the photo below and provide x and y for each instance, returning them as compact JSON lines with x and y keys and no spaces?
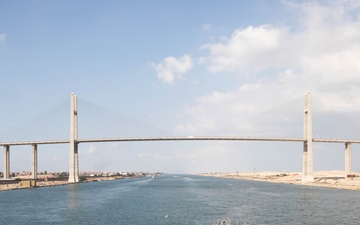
{"x":172,"y":199}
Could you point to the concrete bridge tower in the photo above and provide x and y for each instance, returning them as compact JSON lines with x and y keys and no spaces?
{"x":74,"y":156}
{"x":308,"y":171}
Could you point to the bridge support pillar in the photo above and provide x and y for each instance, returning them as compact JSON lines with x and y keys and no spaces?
{"x":6,"y":162}
{"x":74,"y":164}
{"x":347,"y":159}
{"x":74,"y":156}
{"x":308,"y":173}
{"x":34,"y":170}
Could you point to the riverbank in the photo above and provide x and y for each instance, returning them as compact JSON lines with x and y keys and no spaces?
{"x":16,"y":184}
{"x":48,"y":179}
{"x":329,"y":179}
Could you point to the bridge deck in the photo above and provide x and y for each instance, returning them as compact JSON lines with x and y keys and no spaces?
{"x":181,"y":138}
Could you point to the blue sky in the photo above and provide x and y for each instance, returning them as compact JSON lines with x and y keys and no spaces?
{"x":184,"y":66}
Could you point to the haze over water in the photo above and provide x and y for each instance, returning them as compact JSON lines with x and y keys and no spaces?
{"x":179,"y":200}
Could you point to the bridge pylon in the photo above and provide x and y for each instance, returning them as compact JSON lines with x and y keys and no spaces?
{"x":34,"y":166}
{"x":74,"y":156}
{"x":347,"y":159}
{"x":6,"y":161}
{"x":308,"y":169}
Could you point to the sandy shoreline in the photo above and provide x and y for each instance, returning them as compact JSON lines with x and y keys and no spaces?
{"x":15,"y":185}
{"x":329,"y":179}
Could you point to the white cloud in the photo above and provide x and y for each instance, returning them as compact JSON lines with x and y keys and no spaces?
{"x":206,"y":27}
{"x":143,"y":155}
{"x":2,"y":37}
{"x":277,"y":64}
{"x":90,"y":150}
{"x":55,"y":159}
{"x":172,"y":68}
{"x":247,"y":100}
{"x":161,"y":157}
{"x":113,"y":144}
{"x":254,"y":48}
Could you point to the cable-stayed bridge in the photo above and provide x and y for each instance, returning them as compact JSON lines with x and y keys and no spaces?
{"x":302,"y":120}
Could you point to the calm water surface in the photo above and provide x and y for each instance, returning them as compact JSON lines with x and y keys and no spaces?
{"x":180,"y":200}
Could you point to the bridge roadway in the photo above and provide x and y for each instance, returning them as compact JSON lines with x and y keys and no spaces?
{"x":74,"y":166}
{"x":73,"y":141}
{"x":178,"y":138}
